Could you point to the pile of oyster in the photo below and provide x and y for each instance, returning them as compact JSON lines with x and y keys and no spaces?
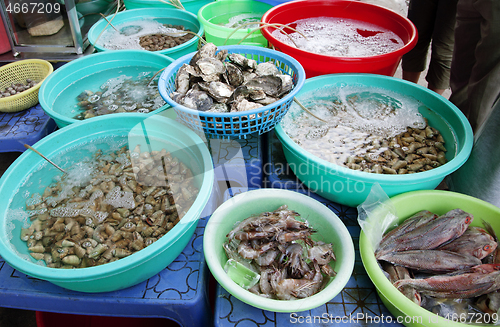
{"x":225,"y":82}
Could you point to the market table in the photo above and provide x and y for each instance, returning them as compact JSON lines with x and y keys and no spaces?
{"x":180,"y":291}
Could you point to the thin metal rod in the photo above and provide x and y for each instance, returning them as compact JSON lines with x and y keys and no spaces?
{"x":44,"y":157}
{"x":307,"y":110}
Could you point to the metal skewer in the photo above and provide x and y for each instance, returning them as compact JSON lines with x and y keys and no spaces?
{"x":44,"y":157}
{"x":307,"y":110}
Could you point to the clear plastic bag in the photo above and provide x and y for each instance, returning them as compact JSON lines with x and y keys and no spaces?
{"x":375,"y":226}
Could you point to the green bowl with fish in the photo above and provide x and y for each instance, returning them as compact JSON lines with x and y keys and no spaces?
{"x":329,"y":227}
{"x":30,"y":175}
{"x":350,"y":187}
{"x":407,"y":204}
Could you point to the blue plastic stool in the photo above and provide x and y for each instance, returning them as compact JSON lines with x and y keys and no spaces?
{"x":28,"y":126}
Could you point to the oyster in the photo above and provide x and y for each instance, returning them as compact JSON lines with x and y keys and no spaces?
{"x":270,"y":84}
{"x":234,"y":75}
{"x":197,"y":99}
{"x":207,"y":51}
{"x":244,"y":105}
{"x":219,"y":108}
{"x":210,"y":66}
{"x":286,"y":83}
{"x":218,"y":90}
{"x":266,"y":68}
{"x":242,"y":61}
{"x":221,"y":82}
{"x":182,"y":80}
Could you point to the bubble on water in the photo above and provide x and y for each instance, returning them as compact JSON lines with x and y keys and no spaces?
{"x":113,"y":40}
{"x":358,"y":117}
{"x":94,"y":98}
{"x":120,"y":199}
{"x":341,"y":37}
{"x":130,"y":108}
{"x":130,"y":30}
{"x":238,"y":20}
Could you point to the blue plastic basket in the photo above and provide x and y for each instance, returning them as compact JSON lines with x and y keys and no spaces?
{"x":239,"y":124}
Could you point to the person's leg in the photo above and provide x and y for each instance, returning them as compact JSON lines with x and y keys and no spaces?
{"x":422,"y":14}
{"x":411,"y":76}
{"x":484,"y":83}
{"x":438,"y":75}
{"x":467,"y":35}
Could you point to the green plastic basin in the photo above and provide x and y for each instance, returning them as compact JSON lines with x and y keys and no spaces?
{"x":30,"y":174}
{"x":439,"y":202}
{"x":351,"y":187}
{"x":330,"y":230}
{"x":58,"y":93}
{"x":215,"y":15}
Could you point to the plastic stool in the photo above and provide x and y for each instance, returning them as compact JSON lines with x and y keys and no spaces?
{"x":28,"y":126}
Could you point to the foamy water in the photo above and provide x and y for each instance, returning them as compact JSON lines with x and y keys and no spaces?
{"x":128,"y":34}
{"x":340,"y":37}
{"x":358,"y":118}
{"x":241,"y":19}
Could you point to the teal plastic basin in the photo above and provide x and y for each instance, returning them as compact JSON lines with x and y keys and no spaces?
{"x":161,"y":15}
{"x":439,"y":202}
{"x":30,"y":174}
{"x":58,"y":93}
{"x":190,"y":5}
{"x":351,"y":187}
{"x":215,"y":15}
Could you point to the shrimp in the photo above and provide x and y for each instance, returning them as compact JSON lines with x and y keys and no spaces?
{"x":322,"y":253}
{"x":286,"y":237}
{"x":289,"y":288}
{"x":297,"y":266}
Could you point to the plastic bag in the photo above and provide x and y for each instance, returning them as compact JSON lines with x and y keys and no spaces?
{"x":375,"y":226}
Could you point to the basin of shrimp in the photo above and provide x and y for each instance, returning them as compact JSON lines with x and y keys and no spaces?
{"x":309,"y":263}
{"x":448,"y":292}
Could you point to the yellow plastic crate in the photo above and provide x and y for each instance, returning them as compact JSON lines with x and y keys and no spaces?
{"x":18,"y":72}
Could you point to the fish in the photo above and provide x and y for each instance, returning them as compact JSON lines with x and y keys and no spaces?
{"x":397,"y":273}
{"x":494,"y":257}
{"x":474,"y":241}
{"x":475,"y":281}
{"x":418,"y":219}
{"x":430,"y":235}
{"x":437,"y":261}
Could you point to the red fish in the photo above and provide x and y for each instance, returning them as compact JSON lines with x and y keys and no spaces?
{"x":473,"y":282}
{"x":431,"y":260}
{"x":430,"y":235}
{"x":408,"y":225}
{"x":397,"y":273}
{"x":474,"y":241}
